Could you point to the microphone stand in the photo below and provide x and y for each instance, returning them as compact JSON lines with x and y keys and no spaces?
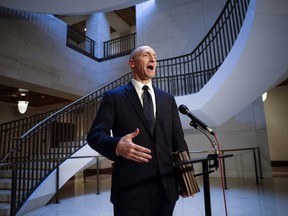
{"x":215,"y":158}
{"x":212,"y":157}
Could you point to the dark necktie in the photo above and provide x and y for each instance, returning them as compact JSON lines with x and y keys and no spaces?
{"x":148,"y":107}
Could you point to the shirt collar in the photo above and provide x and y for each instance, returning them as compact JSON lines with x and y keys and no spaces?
{"x":138,"y":85}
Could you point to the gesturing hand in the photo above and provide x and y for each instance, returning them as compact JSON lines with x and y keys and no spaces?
{"x":129,"y":150}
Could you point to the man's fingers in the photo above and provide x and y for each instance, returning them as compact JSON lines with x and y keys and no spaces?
{"x":139,"y":159}
{"x":138,"y":153}
{"x":142,"y":149}
{"x":136,"y":147}
{"x":127,"y":149}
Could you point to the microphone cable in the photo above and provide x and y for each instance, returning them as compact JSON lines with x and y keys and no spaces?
{"x":221,"y":173}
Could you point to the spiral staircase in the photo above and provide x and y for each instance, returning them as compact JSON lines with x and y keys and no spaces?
{"x":28,"y":175}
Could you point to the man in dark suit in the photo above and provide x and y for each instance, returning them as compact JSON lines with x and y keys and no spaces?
{"x":143,"y":179}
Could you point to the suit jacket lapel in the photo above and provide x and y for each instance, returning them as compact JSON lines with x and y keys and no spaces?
{"x":133,"y":97}
{"x":159,"y":104}
{"x":136,"y":104}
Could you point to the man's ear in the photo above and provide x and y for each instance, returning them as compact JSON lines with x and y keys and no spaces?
{"x":131,"y":63}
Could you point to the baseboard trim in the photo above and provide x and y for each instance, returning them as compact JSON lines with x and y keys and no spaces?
{"x":279,"y":163}
{"x":91,"y":172}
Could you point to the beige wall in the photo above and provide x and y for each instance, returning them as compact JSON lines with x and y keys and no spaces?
{"x":276,"y":109}
{"x":247,"y":129}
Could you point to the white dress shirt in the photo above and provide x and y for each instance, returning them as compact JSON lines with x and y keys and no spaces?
{"x":138,"y":86}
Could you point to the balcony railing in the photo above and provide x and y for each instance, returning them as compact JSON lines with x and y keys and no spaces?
{"x":119,"y":46}
{"x":80,"y":43}
{"x":111,"y":49}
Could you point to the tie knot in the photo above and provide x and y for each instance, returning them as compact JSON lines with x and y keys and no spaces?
{"x":145,"y":88}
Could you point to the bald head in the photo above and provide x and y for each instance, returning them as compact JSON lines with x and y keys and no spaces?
{"x":138,"y":50}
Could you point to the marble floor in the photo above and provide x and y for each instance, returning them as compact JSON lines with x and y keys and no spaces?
{"x":244,"y":197}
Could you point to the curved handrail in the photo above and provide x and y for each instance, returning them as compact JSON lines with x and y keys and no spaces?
{"x":64,"y":132}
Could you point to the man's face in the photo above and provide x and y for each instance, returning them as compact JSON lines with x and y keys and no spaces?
{"x":143,"y":64}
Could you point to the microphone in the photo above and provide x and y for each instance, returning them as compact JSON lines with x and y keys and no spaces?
{"x":196,"y":122}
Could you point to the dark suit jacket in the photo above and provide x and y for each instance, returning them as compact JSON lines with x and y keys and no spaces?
{"x":121,"y":111}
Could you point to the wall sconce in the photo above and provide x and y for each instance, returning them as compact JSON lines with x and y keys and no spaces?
{"x":23,"y":101}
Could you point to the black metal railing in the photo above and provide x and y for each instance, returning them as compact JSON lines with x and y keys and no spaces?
{"x":80,"y":43}
{"x":111,"y":49}
{"x":64,"y":132}
{"x":12,"y":130}
{"x":119,"y":46}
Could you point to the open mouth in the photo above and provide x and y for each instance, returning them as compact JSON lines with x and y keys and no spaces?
{"x":150,"y":67}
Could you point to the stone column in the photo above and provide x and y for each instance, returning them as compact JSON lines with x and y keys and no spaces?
{"x":98,"y":29}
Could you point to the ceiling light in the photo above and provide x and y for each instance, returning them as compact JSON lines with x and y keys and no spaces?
{"x":23,"y":101}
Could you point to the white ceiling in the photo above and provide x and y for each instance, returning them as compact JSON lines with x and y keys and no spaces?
{"x":69,"y":7}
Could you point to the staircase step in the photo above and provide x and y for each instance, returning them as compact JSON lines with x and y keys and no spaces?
{"x":62,"y":150}
{"x":6,"y":174}
{"x":5,"y":183}
{"x":71,"y":144}
{"x":38,"y":165}
{"x":27,"y":173}
{"x":32,"y":174}
{"x":4,"y":209}
{"x":5,"y":196}
{"x":55,"y":156}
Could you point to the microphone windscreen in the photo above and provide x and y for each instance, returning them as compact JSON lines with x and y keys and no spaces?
{"x":183,"y":109}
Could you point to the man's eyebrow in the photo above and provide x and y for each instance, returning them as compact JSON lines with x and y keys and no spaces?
{"x":147,"y":52}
